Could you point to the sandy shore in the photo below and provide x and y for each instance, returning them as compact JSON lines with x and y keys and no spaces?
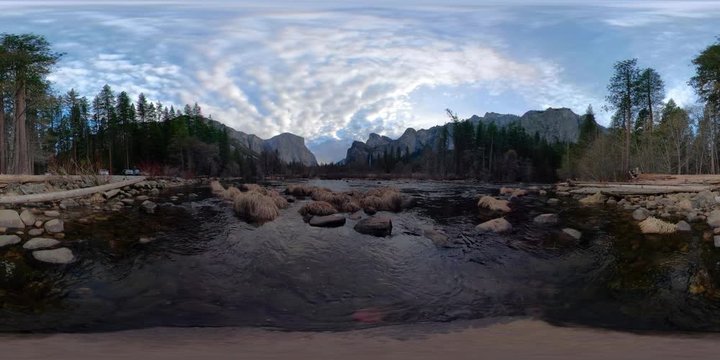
{"x":507,"y":339}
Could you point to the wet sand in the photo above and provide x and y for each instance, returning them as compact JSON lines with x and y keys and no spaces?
{"x":500,"y":339}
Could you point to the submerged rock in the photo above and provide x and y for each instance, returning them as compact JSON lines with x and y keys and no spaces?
{"x":334,"y":220}
{"x":498,"y":225}
{"x":11,"y":219}
{"x":546,"y":219}
{"x":6,"y":240}
{"x":376,"y":226}
{"x":40,"y":243}
{"x":55,"y":256}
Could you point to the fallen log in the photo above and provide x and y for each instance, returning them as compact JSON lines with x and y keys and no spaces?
{"x":60,"y":195}
{"x":629,"y":189}
{"x":7,"y":179}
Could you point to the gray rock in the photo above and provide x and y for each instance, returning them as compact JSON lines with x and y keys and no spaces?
{"x":553,"y":201}
{"x":498,"y":225}
{"x":54,"y":226}
{"x":142,"y":198}
{"x":128,"y":201}
{"x":683,"y":226}
{"x":11,"y":220}
{"x":713,"y":218}
{"x":716,"y":241}
{"x":111,"y":193}
{"x":640,"y":214}
{"x":145,"y":240}
{"x":704,"y":199}
{"x":68,"y":204}
{"x":438,"y":238}
{"x":40,"y":243}
{"x":573,"y":233}
{"x":376,"y":226}
{"x":52,"y":213}
{"x":692,"y":217}
{"x":55,"y":256}
{"x":154,"y":192}
{"x":611,"y":201}
{"x":6,"y":240}
{"x":546,"y":219}
{"x":148,"y":206}
{"x":27,"y":217}
{"x":35,"y":232}
{"x":334,"y":220}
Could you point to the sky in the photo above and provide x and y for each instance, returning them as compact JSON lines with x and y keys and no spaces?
{"x":336,"y":71}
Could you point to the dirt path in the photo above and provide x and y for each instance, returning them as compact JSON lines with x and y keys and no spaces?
{"x":520,"y":339}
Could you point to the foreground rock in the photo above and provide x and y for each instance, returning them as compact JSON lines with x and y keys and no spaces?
{"x":683,"y":226}
{"x":54,"y":226}
{"x":27,"y":217}
{"x":573,"y":233}
{"x":10,"y":219}
{"x":6,"y":240}
{"x":334,"y":220}
{"x":546,"y":219}
{"x":713,"y":219}
{"x":148,"y":206}
{"x":376,"y":226}
{"x":654,"y":225}
{"x":493,"y":204}
{"x":55,"y":256}
{"x":498,"y":225}
{"x":40,"y":243}
{"x":640,"y":214}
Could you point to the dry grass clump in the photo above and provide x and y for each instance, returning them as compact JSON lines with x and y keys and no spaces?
{"x":494,"y":204}
{"x":317,"y":208}
{"x":382,"y":199}
{"x":513,"y":192}
{"x":596,"y":198}
{"x":299,"y":190}
{"x":230,"y":193}
{"x":216,"y":187}
{"x":255,"y":207}
{"x":253,"y":187}
{"x":278,"y":199}
{"x":653,"y":225}
{"x":322,"y":194}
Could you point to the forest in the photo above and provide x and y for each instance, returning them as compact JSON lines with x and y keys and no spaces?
{"x":46,"y":131}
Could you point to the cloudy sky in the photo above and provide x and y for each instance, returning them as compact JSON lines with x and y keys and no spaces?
{"x":335,"y":71}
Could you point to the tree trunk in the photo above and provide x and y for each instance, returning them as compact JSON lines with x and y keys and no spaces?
{"x":650,"y":113}
{"x":3,"y":167}
{"x":21,"y":148}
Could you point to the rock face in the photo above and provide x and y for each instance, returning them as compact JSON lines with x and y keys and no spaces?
{"x":334,"y":220}
{"x":498,"y":225}
{"x":376,"y":226}
{"x":10,"y":219}
{"x":291,"y":149}
{"x":552,"y":124}
{"x":55,"y":256}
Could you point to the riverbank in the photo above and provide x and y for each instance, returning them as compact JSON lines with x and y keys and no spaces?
{"x":496,"y":339}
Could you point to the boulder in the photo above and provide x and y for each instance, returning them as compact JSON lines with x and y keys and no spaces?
{"x":55,"y":256}
{"x":653,"y":225}
{"x":685,"y":205}
{"x":641,"y":214}
{"x":148,"y":206}
{"x":375,"y":225}
{"x":704,"y":199}
{"x":40,"y":243}
{"x":682,"y":225}
{"x":498,"y":225}
{"x":546,"y":219}
{"x":334,"y":220}
{"x":27,"y":217}
{"x":491,"y":203}
{"x":35,"y":232}
{"x":54,"y":226}
{"x":6,"y":240}
{"x":11,"y":220}
{"x":572,"y":233}
{"x":52,"y":213}
{"x":713,"y":218}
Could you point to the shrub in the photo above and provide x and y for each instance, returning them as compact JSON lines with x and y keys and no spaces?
{"x":255,"y":207}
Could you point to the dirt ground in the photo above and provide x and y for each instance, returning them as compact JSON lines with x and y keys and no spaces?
{"x":500,"y":339}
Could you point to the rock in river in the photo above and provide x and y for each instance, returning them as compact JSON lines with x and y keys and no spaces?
{"x":40,"y":243}
{"x":495,"y":225}
{"x":573,"y":233}
{"x":682,"y":225}
{"x":546,"y":219}
{"x":6,"y":240}
{"x":54,"y":226}
{"x":713,"y":219}
{"x":148,"y":206}
{"x":334,"y":220}
{"x":11,"y":219}
{"x":653,"y":225}
{"x":640,"y":214}
{"x":27,"y":217}
{"x":55,"y":256}
{"x":376,"y":226}
{"x":438,"y":238}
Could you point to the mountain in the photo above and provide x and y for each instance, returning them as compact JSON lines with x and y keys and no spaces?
{"x":554,"y":125}
{"x":290,"y":147}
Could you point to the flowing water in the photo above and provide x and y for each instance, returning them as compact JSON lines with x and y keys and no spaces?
{"x":205,"y":267}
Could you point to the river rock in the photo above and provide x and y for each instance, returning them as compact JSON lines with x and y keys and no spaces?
{"x":376,"y":226}
{"x":55,"y":256}
{"x":546,"y":219}
{"x":572,"y":233}
{"x":52,"y":213}
{"x":685,"y":205}
{"x":68,"y":204}
{"x":653,"y":225}
{"x":27,"y":217}
{"x":553,"y":201}
{"x":498,"y":225}
{"x":54,"y":226}
{"x":611,"y":201}
{"x":493,"y":204}
{"x":334,"y":220}
{"x":154,"y":192}
{"x":142,"y":198}
{"x":35,"y":232}
{"x":128,"y":201}
{"x":438,"y":238}
{"x":6,"y":240}
{"x":704,"y":199}
{"x":146,"y":240}
{"x":38,"y":223}
{"x":716,"y":241}
{"x":148,"y":206}
{"x":111,"y":193}
{"x":682,"y":225}
{"x":713,"y":218}
{"x":594,"y":199}
{"x":10,"y":219}
{"x":40,"y":243}
{"x":692,"y":217}
{"x":640,"y":214}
